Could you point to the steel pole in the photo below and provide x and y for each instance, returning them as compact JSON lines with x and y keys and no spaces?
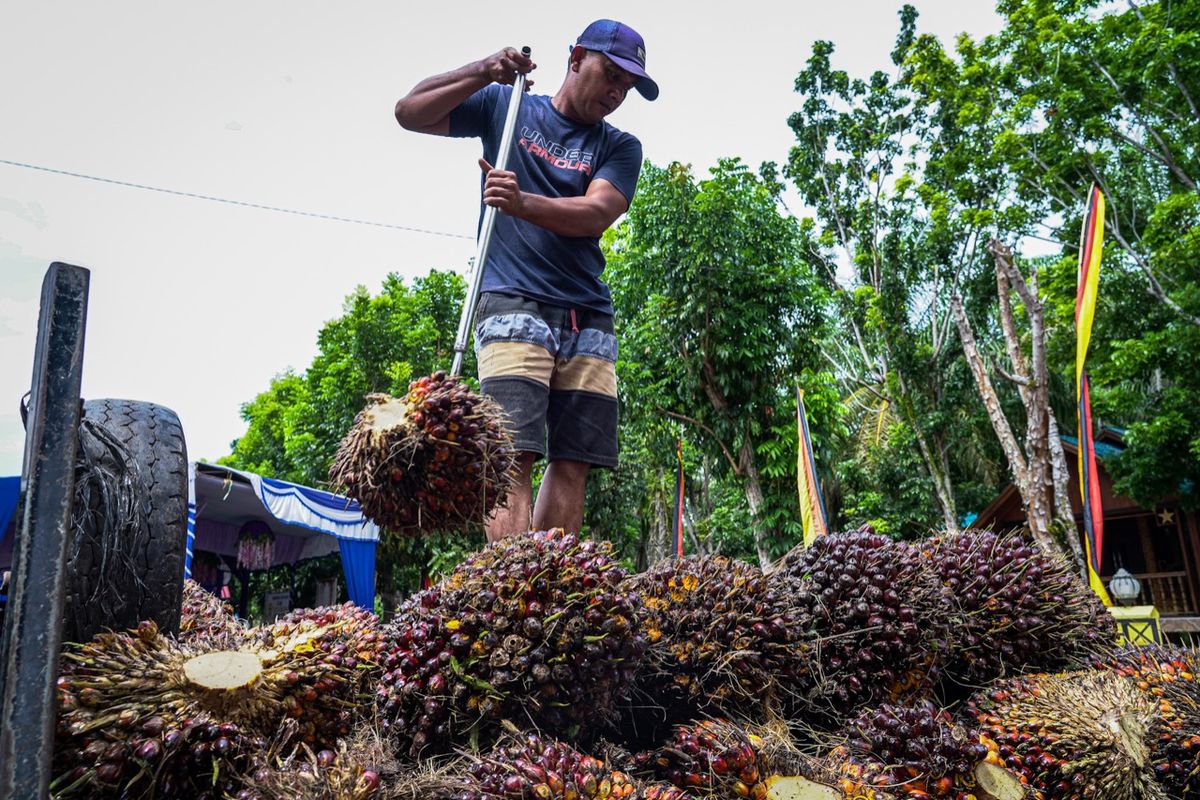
{"x":489,"y":223}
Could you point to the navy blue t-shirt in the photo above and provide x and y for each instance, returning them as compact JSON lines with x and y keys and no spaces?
{"x":553,"y":156}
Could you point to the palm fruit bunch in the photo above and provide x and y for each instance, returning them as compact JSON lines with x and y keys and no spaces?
{"x":1072,"y":735}
{"x":323,"y":775}
{"x":166,"y":717}
{"x":207,"y":618}
{"x":438,"y":458}
{"x":712,"y":758}
{"x":133,"y":722}
{"x":535,"y":627}
{"x":722,"y":636}
{"x":916,"y":751}
{"x":533,"y":768}
{"x":877,"y":618}
{"x":1168,"y":676}
{"x":285,"y":772}
{"x":661,"y":791}
{"x":345,"y":637}
{"x":1016,"y":607}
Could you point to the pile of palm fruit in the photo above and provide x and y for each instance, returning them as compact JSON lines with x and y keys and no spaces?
{"x":534,"y":628}
{"x":439,"y":458}
{"x":969,"y":667}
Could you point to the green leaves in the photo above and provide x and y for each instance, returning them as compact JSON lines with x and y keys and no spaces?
{"x":716,"y":307}
{"x":379,"y":344}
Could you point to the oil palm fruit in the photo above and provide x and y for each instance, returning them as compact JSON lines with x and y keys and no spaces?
{"x":1170,"y":677}
{"x":438,"y":458}
{"x":345,"y":637}
{"x":531,"y":767}
{"x":533,"y":628}
{"x":1073,"y":735}
{"x":1016,"y":608}
{"x":207,"y":618}
{"x":916,"y":751}
{"x":714,"y":758}
{"x":305,"y":774}
{"x":661,"y":791}
{"x":142,"y":714}
{"x":876,"y":615}
{"x":721,"y":636}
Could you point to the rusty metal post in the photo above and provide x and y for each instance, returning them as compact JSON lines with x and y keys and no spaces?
{"x":32,"y":636}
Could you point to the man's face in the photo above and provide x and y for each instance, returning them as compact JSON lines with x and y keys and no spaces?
{"x":600,"y":87}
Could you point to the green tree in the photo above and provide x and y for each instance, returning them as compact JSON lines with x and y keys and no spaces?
{"x":718,"y":313}
{"x":378,"y":344}
{"x":1071,"y":93}
{"x":892,"y":251}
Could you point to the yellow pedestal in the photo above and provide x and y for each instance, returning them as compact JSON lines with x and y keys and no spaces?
{"x":1137,"y":624}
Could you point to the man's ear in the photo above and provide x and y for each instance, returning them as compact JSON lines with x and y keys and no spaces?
{"x":578,"y":53}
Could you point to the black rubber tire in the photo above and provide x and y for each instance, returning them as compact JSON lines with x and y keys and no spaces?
{"x":116,"y":591}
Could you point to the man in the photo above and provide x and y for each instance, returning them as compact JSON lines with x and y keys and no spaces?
{"x":543,"y":330}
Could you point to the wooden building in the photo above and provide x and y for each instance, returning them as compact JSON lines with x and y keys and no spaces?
{"x":1159,"y":545}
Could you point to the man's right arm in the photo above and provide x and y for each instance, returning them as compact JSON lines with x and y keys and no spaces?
{"x":426,"y":109}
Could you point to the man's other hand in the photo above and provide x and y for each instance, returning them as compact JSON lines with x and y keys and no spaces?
{"x":500,"y":189}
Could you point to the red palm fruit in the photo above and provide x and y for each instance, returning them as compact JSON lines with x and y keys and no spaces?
{"x":722,"y":636}
{"x":1015,"y":608}
{"x":533,"y":627}
{"x":1170,"y":677}
{"x":876,"y":643}
{"x":402,"y":454}
{"x":1073,"y":735}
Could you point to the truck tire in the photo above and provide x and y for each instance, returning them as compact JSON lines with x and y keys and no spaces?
{"x":125,"y":559}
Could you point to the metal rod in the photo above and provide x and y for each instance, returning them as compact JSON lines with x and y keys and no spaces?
{"x":32,"y":636}
{"x":489,"y":223}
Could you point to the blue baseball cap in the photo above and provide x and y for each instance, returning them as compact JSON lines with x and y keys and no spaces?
{"x":625,"y":47}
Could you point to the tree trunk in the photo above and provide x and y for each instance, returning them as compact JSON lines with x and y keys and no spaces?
{"x":658,"y":544}
{"x":1062,"y":497}
{"x":991,"y":401}
{"x":1040,"y":492}
{"x":936,"y":463}
{"x":754,"y":498}
{"x":1038,"y":476}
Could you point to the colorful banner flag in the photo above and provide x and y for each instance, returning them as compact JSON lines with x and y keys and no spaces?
{"x":679,"y":500}
{"x":812,"y":505}
{"x":1091,"y":247}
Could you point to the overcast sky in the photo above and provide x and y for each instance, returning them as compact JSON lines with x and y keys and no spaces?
{"x":196,"y":304}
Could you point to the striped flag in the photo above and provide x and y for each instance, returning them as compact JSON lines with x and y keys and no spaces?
{"x":812,"y":506}
{"x":1091,"y":247}
{"x":679,"y":500}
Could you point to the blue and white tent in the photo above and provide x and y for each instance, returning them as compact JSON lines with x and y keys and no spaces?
{"x":10,"y":489}
{"x":307,"y":523}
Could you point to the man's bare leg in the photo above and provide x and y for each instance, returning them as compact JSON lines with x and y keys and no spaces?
{"x":514,"y":518}
{"x":560,"y":496}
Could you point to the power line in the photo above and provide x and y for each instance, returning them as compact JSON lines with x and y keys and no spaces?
{"x":243,"y":203}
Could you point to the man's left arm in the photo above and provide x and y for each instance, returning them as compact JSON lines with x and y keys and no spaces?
{"x":589,"y":215}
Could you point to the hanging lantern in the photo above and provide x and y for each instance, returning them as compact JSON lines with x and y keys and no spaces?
{"x":256,"y":546}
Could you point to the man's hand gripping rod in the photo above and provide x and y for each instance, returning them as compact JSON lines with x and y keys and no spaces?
{"x":489,"y":222}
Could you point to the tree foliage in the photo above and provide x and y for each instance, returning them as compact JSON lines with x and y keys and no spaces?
{"x":1071,"y":93}
{"x":718,"y":314}
{"x":378,"y":344}
{"x":725,"y":301}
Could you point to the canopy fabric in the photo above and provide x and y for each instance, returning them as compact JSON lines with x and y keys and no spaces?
{"x":10,"y":489}
{"x":314,"y":509}
{"x":306,"y":522}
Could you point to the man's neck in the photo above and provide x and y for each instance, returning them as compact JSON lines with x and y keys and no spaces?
{"x":563,"y":105}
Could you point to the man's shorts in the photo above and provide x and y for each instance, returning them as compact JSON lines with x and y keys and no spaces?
{"x":553,"y":371}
